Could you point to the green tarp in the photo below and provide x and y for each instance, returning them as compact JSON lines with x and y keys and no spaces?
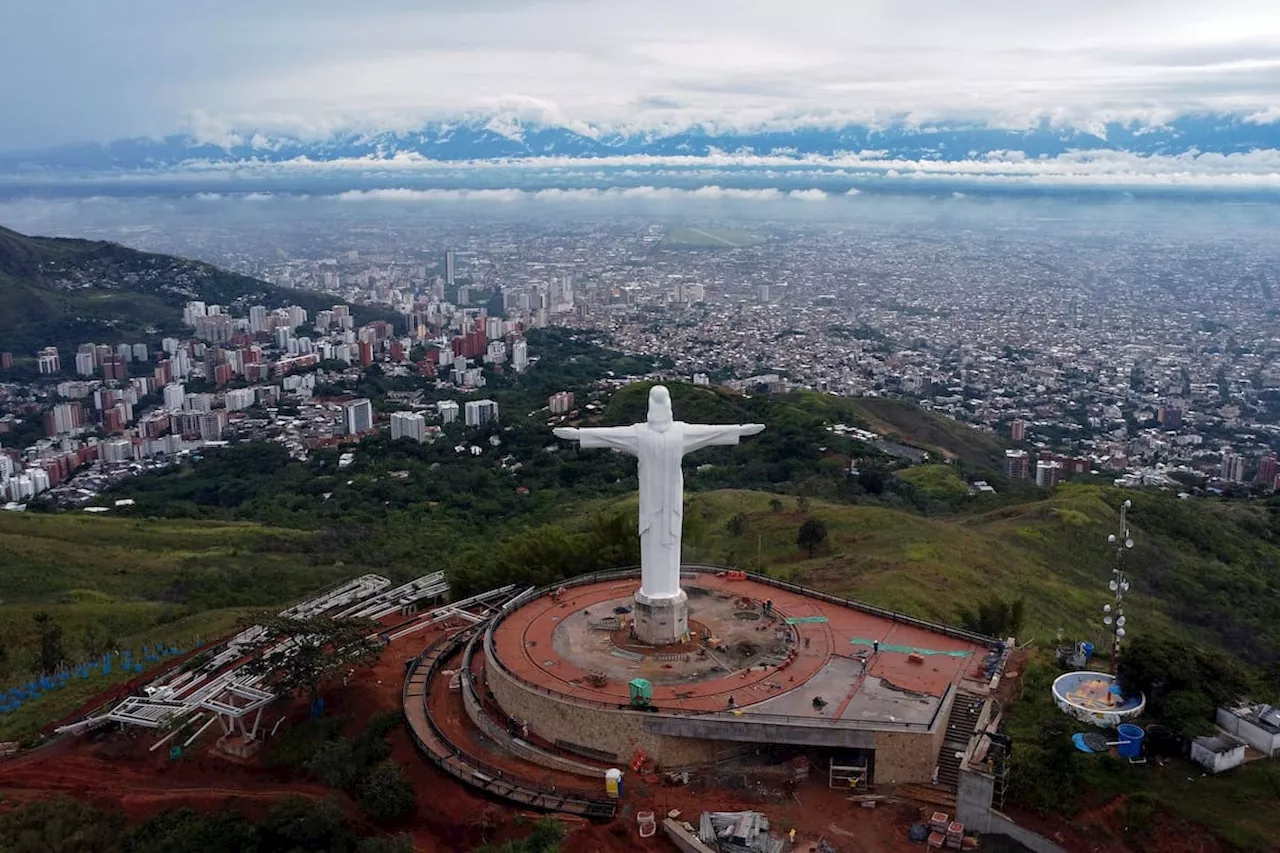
{"x":906,"y":650}
{"x":805,"y":620}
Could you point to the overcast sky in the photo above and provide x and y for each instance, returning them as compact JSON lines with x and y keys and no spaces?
{"x":74,"y":70}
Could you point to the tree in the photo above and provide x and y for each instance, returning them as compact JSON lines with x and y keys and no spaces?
{"x":334,"y":764}
{"x":802,"y":503}
{"x":96,"y":640}
{"x":395,"y":844}
{"x":775,"y":505}
{"x":52,"y":655}
{"x":737,"y":524}
{"x":1183,"y":682}
{"x":384,"y":794}
{"x":321,"y":647}
{"x":61,"y":824}
{"x":545,"y":838}
{"x":812,"y":535}
{"x":996,"y":617}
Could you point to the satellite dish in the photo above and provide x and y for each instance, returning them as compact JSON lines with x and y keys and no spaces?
{"x":1128,"y":543}
{"x":1106,"y":608}
{"x":1113,"y":586}
{"x":1120,"y":621}
{"x":1128,"y":503}
{"x":1125,"y":586}
{"x":1106,"y":620}
{"x":1111,"y":539}
{"x":1119,"y":632}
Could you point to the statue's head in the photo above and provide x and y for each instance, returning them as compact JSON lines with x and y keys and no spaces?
{"x":660,"y":416}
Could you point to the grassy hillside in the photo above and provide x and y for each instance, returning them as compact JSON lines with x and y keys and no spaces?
{"x":130,"y":580}
{"x":1206,"y":570}
{"x":64,"y":292}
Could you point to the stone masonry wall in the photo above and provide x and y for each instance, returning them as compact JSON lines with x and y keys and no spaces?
{"x":610,"y":730}
{"x":907,"y":757}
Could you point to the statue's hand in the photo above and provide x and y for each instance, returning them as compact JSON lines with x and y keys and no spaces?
{"x":567,"y":433}
{"x":750,"y":429}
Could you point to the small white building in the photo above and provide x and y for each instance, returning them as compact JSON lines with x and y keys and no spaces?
{"x":1256,"y":725}
{"x":1219,"y":753}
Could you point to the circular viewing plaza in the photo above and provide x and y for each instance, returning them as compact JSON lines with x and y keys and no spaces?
{"x":763,"y":662}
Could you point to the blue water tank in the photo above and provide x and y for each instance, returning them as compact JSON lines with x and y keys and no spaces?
{"x":1130,"y":740}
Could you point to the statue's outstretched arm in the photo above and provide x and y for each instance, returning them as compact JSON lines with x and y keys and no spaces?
{"x":697,"y":436}
{"x":619,"y":438}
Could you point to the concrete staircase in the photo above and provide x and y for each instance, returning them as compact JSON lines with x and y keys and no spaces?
{"x":963,"y":719}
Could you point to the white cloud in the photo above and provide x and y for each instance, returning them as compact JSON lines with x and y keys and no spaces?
{"x":718,"y":172}
{"x":808,"y":195}
{"x":313,"y":67}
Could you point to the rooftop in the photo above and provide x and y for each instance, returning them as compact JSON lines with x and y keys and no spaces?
{"x":779,"y":663}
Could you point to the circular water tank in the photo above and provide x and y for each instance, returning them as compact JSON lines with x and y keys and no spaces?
{"x":1130,"y":740}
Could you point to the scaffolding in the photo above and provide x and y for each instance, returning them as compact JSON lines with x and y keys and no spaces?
{"x":386,"y":603}
{"x":339,"y":596}
{"x":849,"y":777}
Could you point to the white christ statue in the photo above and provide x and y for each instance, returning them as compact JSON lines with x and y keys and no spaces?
{"x":660,"y":444}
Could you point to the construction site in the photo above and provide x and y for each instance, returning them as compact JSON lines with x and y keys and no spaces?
{"x":786,"y":719}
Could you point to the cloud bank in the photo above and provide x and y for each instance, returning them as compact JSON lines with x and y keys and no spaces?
{"x":312,"y":67}
{"x":723,"y":174}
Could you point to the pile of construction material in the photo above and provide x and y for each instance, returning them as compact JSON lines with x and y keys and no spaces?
{"x":949,"y":834}
{"x":738,"y":832}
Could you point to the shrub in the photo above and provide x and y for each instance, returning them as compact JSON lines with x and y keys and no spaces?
{"x":384,"y":794}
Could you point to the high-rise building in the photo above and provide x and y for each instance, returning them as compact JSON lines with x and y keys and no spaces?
{"x":1232,"y":467}
{"x":238,"y":399}
{"x":84,"y":363}
{"x":449,"y":263}
{"x":115,"y":367}
{"x":357,"y":416}
{"x":560,"y":403}
{"x":1048,"y":472}
{"x":212,"y":424}
{"x":408,"y":425}
{"x":481,"y":412}
{"x":174,"y":396}
{"x":63,"y":418}
{"x":448,"y":410}
{"x":1018,"y":430}
{"x":366,"y":353}
{"x":1170,"y":417}
{"x":1017,"y":464}
{"x":520,"y":356}
{"x":48,"y":361}
{"x":1267,"y":469}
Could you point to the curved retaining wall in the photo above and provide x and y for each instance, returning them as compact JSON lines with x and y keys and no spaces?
{"x":518,"y":748}
{"x":467,"y":769}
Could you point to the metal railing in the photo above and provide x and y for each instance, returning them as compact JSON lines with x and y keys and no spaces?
{"x":746,"y":716}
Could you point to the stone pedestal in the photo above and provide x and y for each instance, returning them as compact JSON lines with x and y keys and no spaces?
{"x":237,"y":748}
{"x":661,"y":621}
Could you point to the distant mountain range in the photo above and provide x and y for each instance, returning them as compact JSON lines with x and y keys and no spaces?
{"x":63,"y":292}
{"x":499,"y":138}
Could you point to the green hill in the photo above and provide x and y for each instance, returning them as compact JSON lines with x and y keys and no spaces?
{"x":64,"y":292}
{"x":1206,"y":571}
{"x":113,"y":583}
